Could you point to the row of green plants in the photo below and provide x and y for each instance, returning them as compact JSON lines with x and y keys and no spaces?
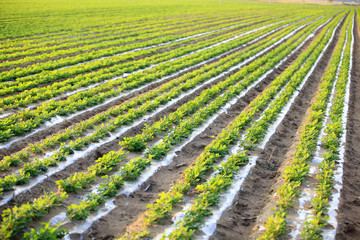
{"x":209,"y":192}
{"x":221,"y":145}
{"x":128,"y":172}
{"x":117,"y":183}
{"x":65,"y":37}
{"x":185,"y":127}
{"x":102,"y":52}
{"x":38,"y":166}
{"x":106,"y":35}
{"x":26,"y":120}
{"x":208,"y":195}
{"x":256,"y":69}
{"x":54,"y":37}
{"x":296,"y":172}
{"x":16,"y":218}
{"x":109,"y":68}
{"x":129,"y":62}
{"x":331,"y":143}
{"x":75,"y":131}
{"x":116,"y":42}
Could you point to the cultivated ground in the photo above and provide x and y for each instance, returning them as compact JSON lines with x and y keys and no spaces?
{"x":179,"y":120}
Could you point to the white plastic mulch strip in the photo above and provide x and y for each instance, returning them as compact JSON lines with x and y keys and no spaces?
{"x":130,"y":187}
{"x":209,"y":226}
{"x":338,"y":173}
{"x":80,"y":154}
{"x":226,"y":198}
{"x":158,"y":45}
{"x":307,"y":193}
{"x":58,"y":119}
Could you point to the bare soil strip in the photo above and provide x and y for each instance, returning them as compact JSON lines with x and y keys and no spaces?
{"x":130,"y":208}
{"x":239,"y":220}
{"x":82,"y":163}
{"x":349,"y":209}
{"x":47,"y":131}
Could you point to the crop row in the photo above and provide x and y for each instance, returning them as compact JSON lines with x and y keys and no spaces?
{"x":103,"y":52}
{"x":118,"y":181}
{"x":116,"y":111}
{"x":296,"y":172}
{"x":54,"y":45}
{"x":331,"y":143}
{"x":220,"y":147}
{"x":210,"y":71}
{"x":89,"y":49}
{"x":30,"y":82}
{"x":15,"y":219}
{"x":24,"y":121}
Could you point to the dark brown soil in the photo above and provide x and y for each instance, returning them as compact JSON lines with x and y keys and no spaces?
{"x":349,"y":209}
{"x":18,"y":145}
{"x":114,"y":224}
{"x":238,"y":221}
{"x":83,"y":163}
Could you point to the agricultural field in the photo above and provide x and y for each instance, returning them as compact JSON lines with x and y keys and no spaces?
{"x":179,"y":120}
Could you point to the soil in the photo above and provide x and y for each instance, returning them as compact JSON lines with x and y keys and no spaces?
{"x":349,"y":209}
{"x":42,"y":134}
{"x":82,"y":163}
{"x":115,"y":223}
{"x":240,"y":220}
{"x":252,"y":205}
